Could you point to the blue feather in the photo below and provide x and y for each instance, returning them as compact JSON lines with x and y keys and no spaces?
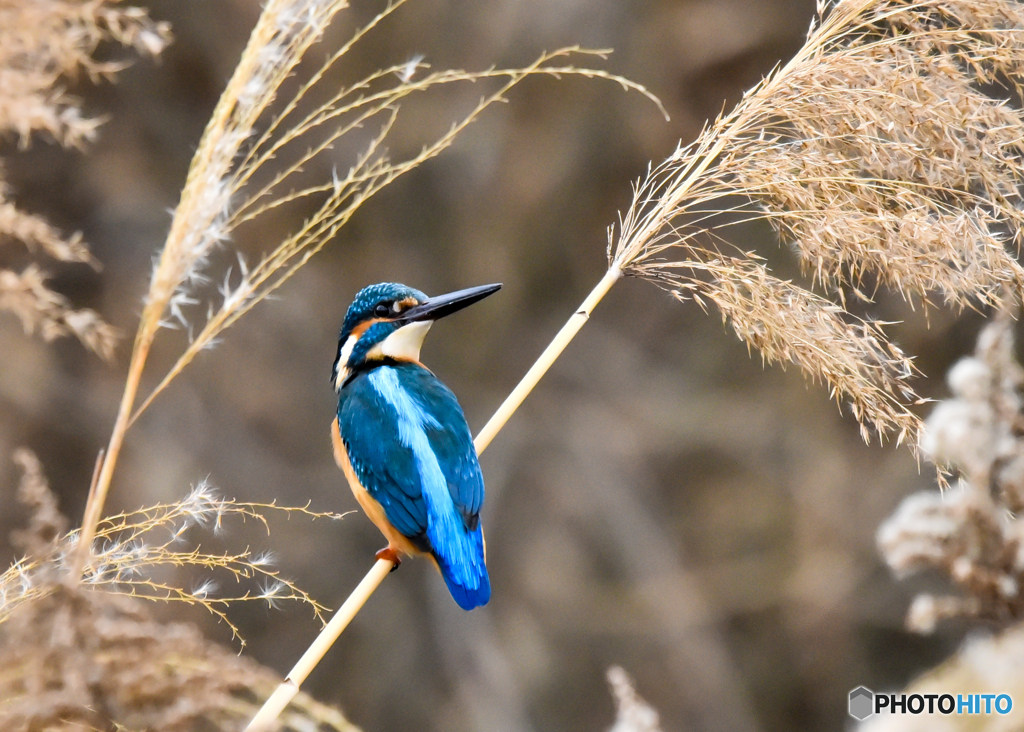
{"x":467,"y":597}
{"x":383,"y":466}
{"x":410,"y":446}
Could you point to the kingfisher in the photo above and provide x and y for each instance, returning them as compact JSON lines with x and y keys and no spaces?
{"x":402,"y":440}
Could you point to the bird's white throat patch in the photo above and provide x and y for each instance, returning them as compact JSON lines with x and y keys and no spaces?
{"x":402,"y":345}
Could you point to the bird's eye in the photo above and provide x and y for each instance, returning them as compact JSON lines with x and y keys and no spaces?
{"x":382,"y":310}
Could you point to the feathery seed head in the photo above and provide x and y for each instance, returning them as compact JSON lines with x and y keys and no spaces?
{"x":410,"y":67}
{"x":880,"y":154}
{"x":273,"y":591}
{"x":131,"y":549}
{"x":204,"y":590}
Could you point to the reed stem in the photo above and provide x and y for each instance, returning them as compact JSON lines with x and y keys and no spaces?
{"x":288,"y":688}
{"x":108,"y":460}
{"x":545,"y":360}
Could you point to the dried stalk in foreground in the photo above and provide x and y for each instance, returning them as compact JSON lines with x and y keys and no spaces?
{"x":91,"y":658}
{"x":40,"y":43}
{"x":246,"y":134}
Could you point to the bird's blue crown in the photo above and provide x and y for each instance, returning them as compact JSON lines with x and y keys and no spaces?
{"x":387,"y":322}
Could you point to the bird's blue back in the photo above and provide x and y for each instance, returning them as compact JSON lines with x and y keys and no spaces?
{"x":409,"y":445}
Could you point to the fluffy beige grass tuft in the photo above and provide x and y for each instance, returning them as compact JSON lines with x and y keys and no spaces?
{"x":41,"y":43}
{"x":884,"y":155}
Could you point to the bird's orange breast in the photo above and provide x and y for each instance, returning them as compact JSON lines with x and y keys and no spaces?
{"x":368,"y":503}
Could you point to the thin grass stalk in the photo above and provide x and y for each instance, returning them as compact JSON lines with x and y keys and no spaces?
{"x":98,"y":494}
{"x":545,"y":360}
{"x":165,"y":278}
{"x":288,"y":688}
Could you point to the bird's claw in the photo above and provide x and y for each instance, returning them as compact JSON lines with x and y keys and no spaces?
{"x":390,"y":555}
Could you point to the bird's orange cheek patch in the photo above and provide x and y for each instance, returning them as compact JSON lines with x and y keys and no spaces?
{"x":363,"y":327}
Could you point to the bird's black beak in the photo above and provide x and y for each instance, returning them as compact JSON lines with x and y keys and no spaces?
{"x":438,"y":307}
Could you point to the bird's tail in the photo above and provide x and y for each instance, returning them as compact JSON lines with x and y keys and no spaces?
{"x":465,"y":572}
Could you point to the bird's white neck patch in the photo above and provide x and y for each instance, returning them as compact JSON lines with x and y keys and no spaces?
{"x":404,"y":344}
{"x":346,"y":354}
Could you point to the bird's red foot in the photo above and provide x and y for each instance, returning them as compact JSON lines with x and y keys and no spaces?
{"x":390,"y":555}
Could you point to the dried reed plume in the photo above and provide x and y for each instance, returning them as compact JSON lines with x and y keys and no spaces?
{"x":41,"y":43}
{"x":876,"y":154}
{"x":253,"y":136}
{"x":89,"y":657}
{"x":972,"y":532}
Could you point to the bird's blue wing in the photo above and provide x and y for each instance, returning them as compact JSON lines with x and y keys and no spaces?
{"x":370,"y":428}
{"x":386,"y":468}
{"x":450,"y":473}
{"x":451,"y":442}
{"x":410,"y":447}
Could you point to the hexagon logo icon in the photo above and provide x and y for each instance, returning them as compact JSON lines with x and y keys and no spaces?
{"x":862,"y":702}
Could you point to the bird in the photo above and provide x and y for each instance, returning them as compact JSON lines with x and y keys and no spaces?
{"x":402,"y":440}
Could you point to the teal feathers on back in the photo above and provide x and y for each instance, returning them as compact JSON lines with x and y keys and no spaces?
{"x":410,"y":447}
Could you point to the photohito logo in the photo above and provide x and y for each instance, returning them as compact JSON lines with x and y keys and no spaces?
{"x":861,"y":703}
{"x":864,"y":703}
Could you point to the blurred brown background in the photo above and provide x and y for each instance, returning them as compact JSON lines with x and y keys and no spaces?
{"x":660,"y":502}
